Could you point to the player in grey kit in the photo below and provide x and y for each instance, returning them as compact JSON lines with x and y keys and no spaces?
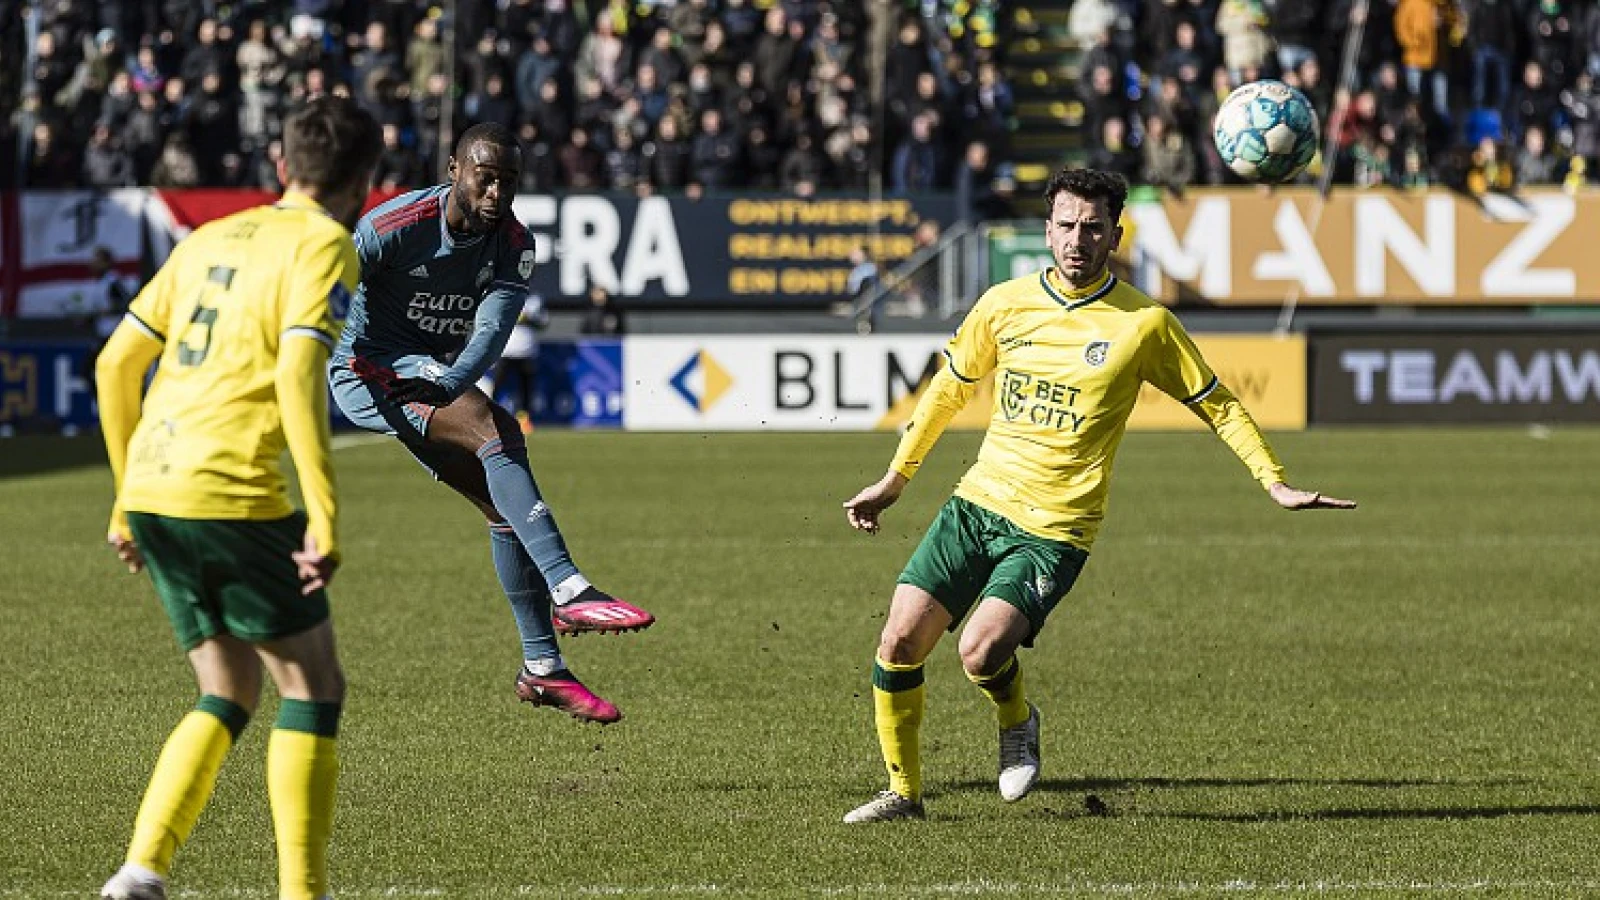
{"x":444,"y":273}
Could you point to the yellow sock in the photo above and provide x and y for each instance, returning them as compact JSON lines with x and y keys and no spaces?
{"x":897,"y":699}
{"x":184,"y":777}
{"x":302,"y":769}
{"x":1005,"y":689}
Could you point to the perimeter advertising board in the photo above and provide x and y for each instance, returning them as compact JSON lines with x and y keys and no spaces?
{"x":1411,"y":378}
{"x":1254,"y":248}
{"x":818,"y":383}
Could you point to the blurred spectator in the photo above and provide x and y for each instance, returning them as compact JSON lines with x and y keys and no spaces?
{"x":537,"y":65}
{"x":399,"y":167}
{"x":1414,"y":169}
{"x":1580,"y":106}
{"x":539,"y":169}
{"x":604,"y":316}
{"x":1534,"y":104}
{"x":1489,"y":170}
{"x":715,"y":158}
{"x":1113,"y":153}
{"x":1492,"y":30}
{"x":667,"y":156}
{"x":917,"y":159}
{"x":1372,"y":164}
{"x":976,"y":200}
{"x":582,"y":166}
{"x":1245,"y":42}
{"x":176,"y":167}
{"x":625,"y":167}
{"x":105,"y":164}
{"x":424,"y":55}
{"x":1417,"y":26}
{"x":492,"y":104}
{"x":603,"y":57}
{"x":1168,"y":158}
{"x":761,"y":160}
{"x":802,"y":170}
{"x":49,"y":164}
{"x":663,"y":58}
{"x":1535,"y":165}
{"x":1553,"y":40}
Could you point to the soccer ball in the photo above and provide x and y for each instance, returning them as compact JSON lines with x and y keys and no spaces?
{"x":1266,"y":131}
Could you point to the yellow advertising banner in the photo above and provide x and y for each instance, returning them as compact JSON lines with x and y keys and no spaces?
{"x":1257,"y":247}
{"x":1267,"y":374}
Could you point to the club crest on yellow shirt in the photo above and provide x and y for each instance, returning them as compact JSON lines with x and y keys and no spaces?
{"x":1095,"y":353}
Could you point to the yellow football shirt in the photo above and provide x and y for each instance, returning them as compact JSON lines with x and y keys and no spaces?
{"x":1067,"y":370}
{"x":210,"y":434}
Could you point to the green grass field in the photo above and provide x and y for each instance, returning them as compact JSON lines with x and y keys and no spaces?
{"x":1399,"y":701}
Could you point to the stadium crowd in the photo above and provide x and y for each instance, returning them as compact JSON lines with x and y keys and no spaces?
{"x":651,"y":96}
{"x":1474,"y":94}
{"x":690,"y":95}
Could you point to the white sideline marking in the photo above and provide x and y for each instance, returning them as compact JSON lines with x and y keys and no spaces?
{"x":955,"y":889}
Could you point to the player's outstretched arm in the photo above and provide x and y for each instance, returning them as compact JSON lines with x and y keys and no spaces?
{"x":119,"y":382}
{"x":1294,"y":498}
{"x":862,"y":510}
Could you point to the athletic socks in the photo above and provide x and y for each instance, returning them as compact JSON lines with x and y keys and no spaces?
{"x":530,"y":599}
{"x":302,"y":771}
{"x":898,"y":696}
{"x":1005,"y":689}
{"x":516,"y":495}
{"x":184,"y":777}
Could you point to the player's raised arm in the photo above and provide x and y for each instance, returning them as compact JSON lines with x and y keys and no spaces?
{"x":969,"y":356}
{"x":1177,"y":368}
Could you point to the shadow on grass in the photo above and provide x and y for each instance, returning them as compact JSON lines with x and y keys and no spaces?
{"x":28,"y":455}
{"x":1119,"y":797}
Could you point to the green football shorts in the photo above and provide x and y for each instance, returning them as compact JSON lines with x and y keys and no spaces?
{"x":970,"y":553}
{"x":234,"y":577}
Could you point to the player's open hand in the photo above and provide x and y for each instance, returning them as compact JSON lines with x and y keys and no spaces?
{"x":863,"y":509}
{"x":417,"y":390}
{"x":316,"y":570}
{"x":127,"y":551}
{"x":1294,"y":498}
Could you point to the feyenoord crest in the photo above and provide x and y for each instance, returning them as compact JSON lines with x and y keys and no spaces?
{"x":525,"y":264}
{"x":1013,"y":392}
{"x":484,"y":274}
{"x":1095,"y":353}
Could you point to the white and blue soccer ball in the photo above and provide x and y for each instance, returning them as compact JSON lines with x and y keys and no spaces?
{"x":1266,"y":131}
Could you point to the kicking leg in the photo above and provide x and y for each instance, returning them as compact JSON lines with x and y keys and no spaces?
{"x":476,"y":425}
{"x":989,"y":655}
{"x":916,"y":622}
{"x":545,"y":679}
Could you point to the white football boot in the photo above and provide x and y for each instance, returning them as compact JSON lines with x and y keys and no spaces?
{"x":886,"y":807}
{"x":1019,"y":757}
{"x":134,"y":883}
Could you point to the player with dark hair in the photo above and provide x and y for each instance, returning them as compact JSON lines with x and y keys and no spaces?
{"x":444,"y":275}
{"x":1069,"y":348}
{"x":242,"y":317}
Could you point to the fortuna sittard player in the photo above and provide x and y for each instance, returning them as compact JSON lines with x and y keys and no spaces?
{"x":243,"y":317}
{"x":444,"y":274}
{"x":1069,"y":348}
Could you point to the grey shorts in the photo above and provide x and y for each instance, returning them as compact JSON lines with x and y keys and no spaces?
{"x":361,"y":384}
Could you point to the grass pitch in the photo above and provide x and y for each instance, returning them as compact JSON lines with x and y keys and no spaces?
{"x":1237,"y":700}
